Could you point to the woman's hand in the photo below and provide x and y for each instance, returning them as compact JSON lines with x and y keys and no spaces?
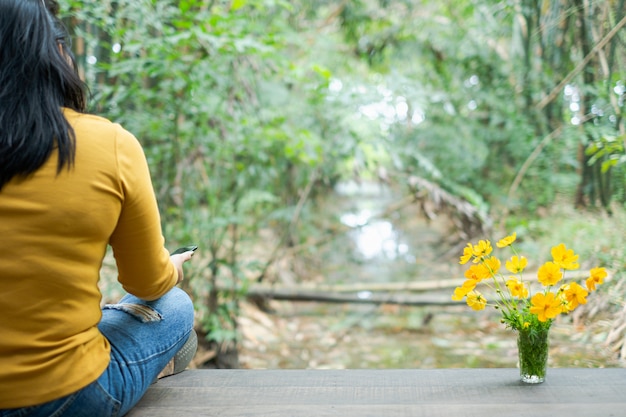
{"x":178,"y":260}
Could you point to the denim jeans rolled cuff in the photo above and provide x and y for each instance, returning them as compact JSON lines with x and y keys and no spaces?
{"x":144,"y":337}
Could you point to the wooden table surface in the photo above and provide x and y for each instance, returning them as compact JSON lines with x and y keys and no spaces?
{"x":386,"y":393}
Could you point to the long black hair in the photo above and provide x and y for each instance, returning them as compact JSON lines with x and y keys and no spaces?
{"x":37,"y":78}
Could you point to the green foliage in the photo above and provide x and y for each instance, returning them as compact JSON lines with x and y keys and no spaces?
{"x":232,"y":128}
{"x":249,"y":109}
{"x":608,"y":151}
{"x":605,"y":144}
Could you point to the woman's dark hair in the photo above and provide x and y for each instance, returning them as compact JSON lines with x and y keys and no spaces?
{"x":37,"y":79}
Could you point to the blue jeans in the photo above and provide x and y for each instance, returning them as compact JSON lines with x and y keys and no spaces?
{"x":144,"y":337}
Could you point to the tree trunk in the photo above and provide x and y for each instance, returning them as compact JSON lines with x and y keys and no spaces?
{"x":587,"y":189}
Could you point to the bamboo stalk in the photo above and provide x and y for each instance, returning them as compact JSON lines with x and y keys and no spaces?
{"x":581,"y":65}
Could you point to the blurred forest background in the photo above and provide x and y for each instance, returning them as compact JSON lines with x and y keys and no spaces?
{"x":347,"y":150}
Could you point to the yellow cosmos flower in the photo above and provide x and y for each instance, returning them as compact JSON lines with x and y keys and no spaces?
{"x":563,"y":257}
{"x":545,"y":306}
{"x":573,"y":295}
{"x":520,"y":308}
{"x":549,"y":274}
{"x":477,"y":272}
{"x":507,"y":241}
{"x":493,"y":265}
{"x":468,"y":251}
{"x":476,"y":300}
{"x":460,"y":292}
{"x":516,"y":264}
{"x":517,"y":288}
{"x":483,"y":248}
{"x":596,"y":277}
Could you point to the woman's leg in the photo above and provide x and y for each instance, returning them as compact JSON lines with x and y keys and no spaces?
{"x":144,"y":337}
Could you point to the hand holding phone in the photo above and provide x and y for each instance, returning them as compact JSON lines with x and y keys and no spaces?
{"x":185,"y":249}
{"x":178,"y":261}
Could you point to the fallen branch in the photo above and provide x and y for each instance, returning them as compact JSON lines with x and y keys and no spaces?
{"x":413,"y":286}
{"x":362,"y":297}
{"x":399,"y":293}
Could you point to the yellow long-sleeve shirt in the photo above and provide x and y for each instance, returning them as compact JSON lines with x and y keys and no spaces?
{"x":54,"y":230}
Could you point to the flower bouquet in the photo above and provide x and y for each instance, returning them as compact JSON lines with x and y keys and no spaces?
{"x":528,"y":310}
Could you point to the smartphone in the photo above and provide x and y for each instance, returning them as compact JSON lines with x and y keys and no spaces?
{"x":185,"y":249}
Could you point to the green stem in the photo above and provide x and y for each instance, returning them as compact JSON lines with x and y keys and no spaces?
{"x":532,"y":347}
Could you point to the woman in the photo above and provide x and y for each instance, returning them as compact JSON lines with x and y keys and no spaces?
{"x":71,"y":184}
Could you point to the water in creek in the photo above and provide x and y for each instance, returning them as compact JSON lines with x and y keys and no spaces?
{"x":400,"y":247}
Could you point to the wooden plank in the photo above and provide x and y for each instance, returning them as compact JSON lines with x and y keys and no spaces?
{"x":469,"y":410}
{"x":432,"y":393}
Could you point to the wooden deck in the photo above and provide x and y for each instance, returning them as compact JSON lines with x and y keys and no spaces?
{"x":386,"y":393}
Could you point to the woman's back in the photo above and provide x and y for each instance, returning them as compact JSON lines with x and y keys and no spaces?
{"x":71,"y":184}
{"x":55,"y":229}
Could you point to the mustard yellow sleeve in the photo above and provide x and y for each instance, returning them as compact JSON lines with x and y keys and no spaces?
{"x":143,"y":263}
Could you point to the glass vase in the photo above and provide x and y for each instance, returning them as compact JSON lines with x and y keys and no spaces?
{"x":532,"y":347}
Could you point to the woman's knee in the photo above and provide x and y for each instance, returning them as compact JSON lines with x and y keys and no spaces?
{"x":178,"y":302}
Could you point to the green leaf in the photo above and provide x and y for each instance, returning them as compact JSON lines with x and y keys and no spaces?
{"x":238,"y":4}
